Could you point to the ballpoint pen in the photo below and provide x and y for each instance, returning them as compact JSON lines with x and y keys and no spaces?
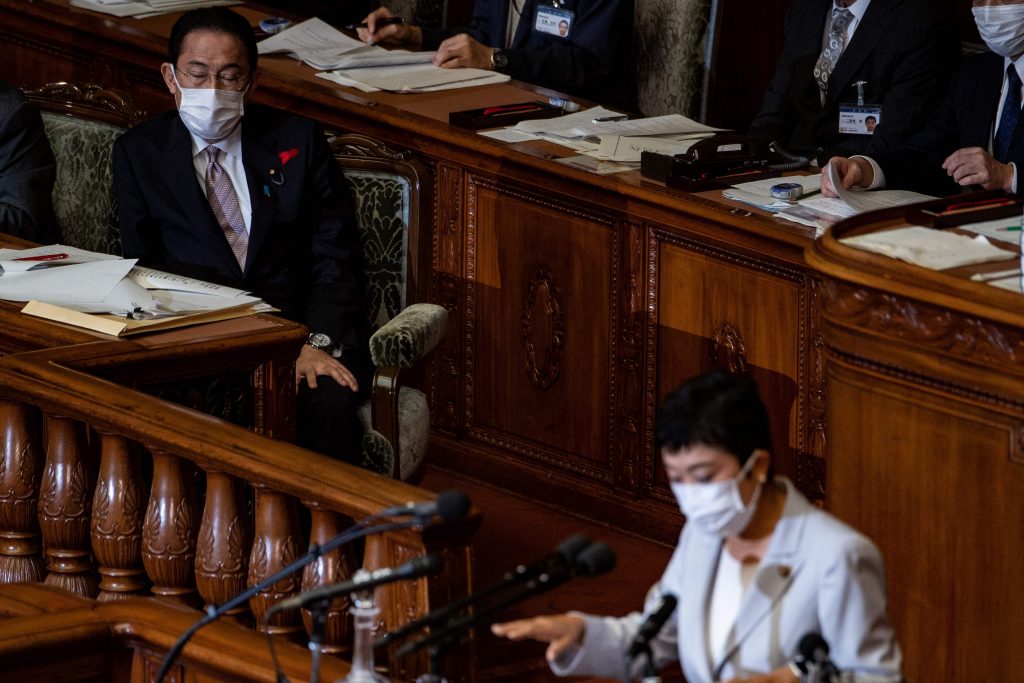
{"x":383,"y":21}
{"x":608,"y":119}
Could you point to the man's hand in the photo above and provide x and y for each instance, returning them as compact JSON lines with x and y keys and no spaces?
{"x":856,"y":172}
{"x":975,"y":166}
{"x":406,"y":35}
{"x":781,"y":675}
{"x":314,"y":362}
{"x":462,"y":51}
{"x":562,"y":631}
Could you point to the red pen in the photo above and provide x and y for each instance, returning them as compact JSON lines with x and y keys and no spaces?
{"x":511,"y":109}
{"x":44,"y":257}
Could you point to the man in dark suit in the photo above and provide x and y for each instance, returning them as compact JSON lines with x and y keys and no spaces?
{"x":973,"y":137}
{"x":890,"y":59}
{"x":27,"y":170}
{"x":525,"y":40}
{"x":256,"y":203}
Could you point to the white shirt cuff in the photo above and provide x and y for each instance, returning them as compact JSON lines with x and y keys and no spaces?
{"x":879,"y":179}
{"x":1013,"y":183}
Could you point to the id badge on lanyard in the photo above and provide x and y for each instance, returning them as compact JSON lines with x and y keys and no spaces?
{"x":554,"y":20}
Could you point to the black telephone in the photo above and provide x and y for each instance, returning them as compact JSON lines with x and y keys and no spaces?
{"x":720,"y":159}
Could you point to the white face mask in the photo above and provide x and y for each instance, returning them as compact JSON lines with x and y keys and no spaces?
{"x":210,"y":113}
{"x":717,"y":508}
{"x":1002,"y":28}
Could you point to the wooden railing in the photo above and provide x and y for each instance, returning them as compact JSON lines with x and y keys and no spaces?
{"x":52,"y":637}
{"x":111,"y":493}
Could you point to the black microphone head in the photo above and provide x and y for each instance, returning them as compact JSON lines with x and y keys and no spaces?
{"x":595,"y":560}
{"x":422,"y":566}
{"x":569,"y":549}
{"x":813,"y":648}
{"x":452,"y":504}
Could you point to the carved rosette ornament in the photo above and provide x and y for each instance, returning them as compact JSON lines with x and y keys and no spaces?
{"x":543,"y":327}
{"x":65,"y":506}
{"x":21,"y":462}
{"x":275,"y":545}
{"x":727,"y":350}
{"x":225,"y":540}
{"x":334,"y":567}
{"x":169,"y":534}
{"x":117,"y":515}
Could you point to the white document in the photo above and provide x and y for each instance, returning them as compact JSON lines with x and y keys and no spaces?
{"x":768,"y":203}
{"x":156,"y":279}
{"x":126,"y":298}
{"x":179,"y":303}
{"x":564,"y":123}
{"x":1012,"y":284}
{"x":334,"y":77}
{"x":76,"y":283}
{"x":416,"y":77}
{"x":367,"y":56}
{"x":627,"y":150}
{"x":929,"y":248}
{"x":810,"y":183}
{"x":1004,"y":229}
{"x":311,"y":39}
{"x":146,"y":8}
{"x":509,"y":135}
{"x":658,"y":125}
{"x":869,"y":200}
{"x":598,"y":166}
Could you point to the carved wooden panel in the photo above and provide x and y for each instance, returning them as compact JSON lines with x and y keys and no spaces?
{"x":447,"y":290}
{"x":938,"y":483}
{"x":724,"y":310}
{"x":21,"y":464}
{"x":541,"y":305}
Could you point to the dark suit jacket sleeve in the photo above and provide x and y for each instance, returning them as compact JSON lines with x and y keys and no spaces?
{"x":599,"y":42}
{"x":139,"y":230}
{"x":336,"y":305}
{"x":27,"y":170}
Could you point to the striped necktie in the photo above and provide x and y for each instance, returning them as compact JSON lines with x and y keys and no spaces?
{"x":224,"y":202}
{"x":1008,"y":119}
{"x":834,"y":46}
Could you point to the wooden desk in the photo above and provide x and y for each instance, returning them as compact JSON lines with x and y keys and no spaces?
{"x":576,"y":301}
{"x":925,"y":414}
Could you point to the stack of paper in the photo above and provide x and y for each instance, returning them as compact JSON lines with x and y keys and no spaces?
{"x":113,"y":295}
{"x":759,"y":192}
{"x":929,"y":248}
{"x":146,"y":8}
{"x":347,"y":61}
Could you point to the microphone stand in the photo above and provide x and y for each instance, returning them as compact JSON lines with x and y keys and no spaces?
{"x":314,"y":552}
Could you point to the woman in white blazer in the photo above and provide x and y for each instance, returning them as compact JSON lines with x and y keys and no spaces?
{"x":756,"y":569}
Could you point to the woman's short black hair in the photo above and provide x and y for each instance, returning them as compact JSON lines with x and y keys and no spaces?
{"x":219,"y":19}
{"x":719,"y":409}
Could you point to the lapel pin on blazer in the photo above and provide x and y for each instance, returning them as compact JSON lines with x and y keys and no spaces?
{"x":784,"y":571}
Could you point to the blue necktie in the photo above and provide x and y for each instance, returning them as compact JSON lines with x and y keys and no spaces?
{"x":1011,"y":115}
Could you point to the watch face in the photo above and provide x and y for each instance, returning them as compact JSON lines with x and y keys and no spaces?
{"x":319,"y":340}
{"x":499,"y":60}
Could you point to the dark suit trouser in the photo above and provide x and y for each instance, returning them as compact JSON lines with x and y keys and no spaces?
{"x":327,"y":419}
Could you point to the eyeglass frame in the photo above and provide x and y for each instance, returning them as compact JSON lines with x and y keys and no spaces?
{"x":218,"y":78}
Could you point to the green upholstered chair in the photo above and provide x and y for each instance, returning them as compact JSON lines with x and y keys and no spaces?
{"x":391,"y":191}
{"x":82,"y":121}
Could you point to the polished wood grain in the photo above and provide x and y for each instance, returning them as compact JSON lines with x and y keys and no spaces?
{"x":925,"y":429}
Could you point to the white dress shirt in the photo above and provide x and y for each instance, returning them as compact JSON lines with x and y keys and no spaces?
{"x":231,"y":162}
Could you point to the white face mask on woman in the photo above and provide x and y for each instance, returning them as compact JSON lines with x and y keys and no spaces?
{"x":717,"y":508}
{"x":1002,"y":28}
{"x":210,"y":113}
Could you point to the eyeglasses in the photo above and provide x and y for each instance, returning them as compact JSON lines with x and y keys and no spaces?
{"x":224,"y":81}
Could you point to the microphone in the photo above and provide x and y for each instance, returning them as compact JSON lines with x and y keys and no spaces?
{"x":651,"y":626}
{"x":814,"y":652}
{"x":594,"y":560}
{"x":413,"y":569}
{"x":565,"y":555}
{"x":450,"y":504}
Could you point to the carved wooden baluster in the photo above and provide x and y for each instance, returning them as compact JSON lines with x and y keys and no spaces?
{"x":21,"y":461}
{"x":117,"y":512}
{"x":65,"y":504}
{"x":276,"y":544}
{"x":169,"y":535}
{"x":225,"y":537}
{"x":335,"y":566}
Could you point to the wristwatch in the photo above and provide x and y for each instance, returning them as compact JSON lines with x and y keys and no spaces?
{"x":499,"y":60}
{"x":320,"y":342}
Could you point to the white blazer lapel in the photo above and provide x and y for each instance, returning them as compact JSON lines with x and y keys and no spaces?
{"x":701,"y":562}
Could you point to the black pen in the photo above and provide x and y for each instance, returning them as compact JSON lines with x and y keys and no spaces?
{"x":384,"y":21}
{"x":608,"y":119}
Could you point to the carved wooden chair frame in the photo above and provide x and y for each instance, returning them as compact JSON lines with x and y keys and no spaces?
{"x":353,"y":151}
{"x":88,"y":101}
